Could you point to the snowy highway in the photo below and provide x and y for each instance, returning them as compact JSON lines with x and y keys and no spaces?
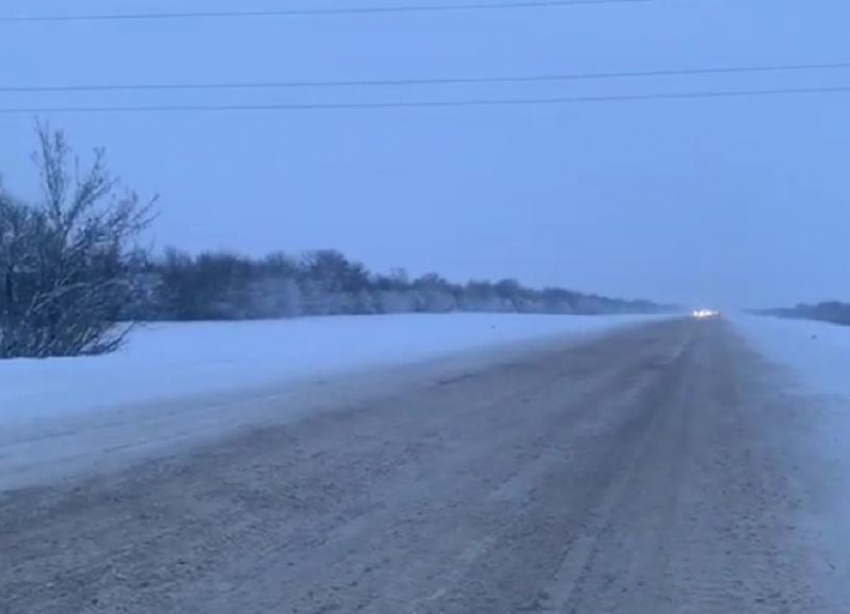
{"x":660,"y":468}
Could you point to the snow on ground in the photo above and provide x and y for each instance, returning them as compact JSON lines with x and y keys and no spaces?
{"x":815,"y":357}
{"x":179,"y":385}
{"x":170,"y":361}
{"x":818,"y":353}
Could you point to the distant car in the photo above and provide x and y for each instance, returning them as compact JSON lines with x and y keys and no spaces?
{"x":705,"y":313}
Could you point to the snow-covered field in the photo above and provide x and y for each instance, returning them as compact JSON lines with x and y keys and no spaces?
{"x":170,"y":361}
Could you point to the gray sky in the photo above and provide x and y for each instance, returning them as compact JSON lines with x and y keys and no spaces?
{"x":732,"y":202}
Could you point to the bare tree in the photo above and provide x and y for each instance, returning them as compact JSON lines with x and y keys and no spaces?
{"x":66,"y":262}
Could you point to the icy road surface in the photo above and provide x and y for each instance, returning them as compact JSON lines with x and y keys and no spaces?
{"x":660,"y":469}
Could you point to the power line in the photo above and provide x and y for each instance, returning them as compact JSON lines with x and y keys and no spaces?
{"x":422,"y":81}
{"x":367,"y":10}
{"x":480,"y":102}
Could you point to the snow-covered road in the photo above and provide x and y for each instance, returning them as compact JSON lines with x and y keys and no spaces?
{"x":177,"y":385}
{"x":666,"y":468}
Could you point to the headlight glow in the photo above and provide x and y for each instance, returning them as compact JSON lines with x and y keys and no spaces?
{"x":705,"y":313}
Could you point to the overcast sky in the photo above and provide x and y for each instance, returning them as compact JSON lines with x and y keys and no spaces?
{"x":729,"y":202}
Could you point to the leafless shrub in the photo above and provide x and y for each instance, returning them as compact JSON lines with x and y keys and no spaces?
{"x":66,"y":262}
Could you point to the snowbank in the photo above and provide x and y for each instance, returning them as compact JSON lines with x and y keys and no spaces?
{"x":817,"y":441}
{"x":817,"y":352}
{"x":170,"y":361}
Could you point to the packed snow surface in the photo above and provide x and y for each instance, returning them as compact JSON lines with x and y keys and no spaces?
{"x":175,"y":360}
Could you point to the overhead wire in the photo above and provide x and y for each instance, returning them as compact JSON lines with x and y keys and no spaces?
{"x":476,"y":102}
{"x":412,"y":8}
{"x":315,"y":12}
{"x":579,"y":76}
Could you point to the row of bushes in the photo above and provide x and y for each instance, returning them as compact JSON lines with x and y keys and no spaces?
{"x":71,"y":277}
{"x":219,"y":285}
{"x":830,"y":311}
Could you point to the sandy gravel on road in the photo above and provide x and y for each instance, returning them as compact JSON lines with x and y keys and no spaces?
{"x":645,"y":473}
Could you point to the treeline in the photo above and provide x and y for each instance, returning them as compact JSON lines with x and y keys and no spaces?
{"x":835,"y":312}
{"x":227,"y":286}
{"x":73,"y":281}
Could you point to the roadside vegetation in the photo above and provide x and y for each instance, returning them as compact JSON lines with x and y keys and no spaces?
{"x":224,"y":286}
{"x":835,"y":312}
{"x":67,"y":261}
{"x":73,"y":279}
